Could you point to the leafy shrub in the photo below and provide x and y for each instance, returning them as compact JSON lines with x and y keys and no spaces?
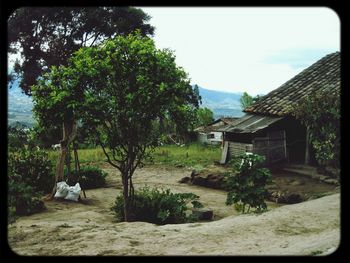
{"x":31,"y":167}
{"x":22,"y":198}
{"x":247,"y":187}
{"x":90,"y":177}
{"x":158,"y":207}
{"x":17,"y":137}
{"x":29,"y":175}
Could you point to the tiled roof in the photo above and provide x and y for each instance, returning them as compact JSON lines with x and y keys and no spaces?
{"x":322,"y":75}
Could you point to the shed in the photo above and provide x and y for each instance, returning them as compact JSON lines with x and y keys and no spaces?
{"x":210,"y":134}
{"x":269,"y":128}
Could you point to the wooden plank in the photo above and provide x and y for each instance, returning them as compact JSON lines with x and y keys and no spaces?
{"x":224,"y":153}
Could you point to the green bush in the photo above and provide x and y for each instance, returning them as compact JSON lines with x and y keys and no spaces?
{"x":22,"y":198}
{"x":17,"y":137}
{"x":32,"y":167}
{"x":30,"y":174}
{"x":90,"y":177}
{"x":158,"y":206}
{"x":248,"y":185}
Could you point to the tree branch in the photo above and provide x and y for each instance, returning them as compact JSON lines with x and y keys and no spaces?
{"x":108,"y":158}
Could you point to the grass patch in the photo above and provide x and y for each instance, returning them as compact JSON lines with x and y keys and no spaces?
{"x":191,"y":155}
{"x":95,"y":155}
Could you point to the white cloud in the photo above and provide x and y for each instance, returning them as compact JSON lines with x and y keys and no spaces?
{"x":228,"y":48}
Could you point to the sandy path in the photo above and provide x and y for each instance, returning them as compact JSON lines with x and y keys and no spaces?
{"x":89,"y":228}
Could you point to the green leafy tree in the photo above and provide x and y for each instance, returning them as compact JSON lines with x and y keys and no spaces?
{"x":45,"y":39}
{"x":58,"y":99}
{"x":320,"y":113}
{"x":205,"y":116}
{"x":247,"y":183}
{"x":127,"y":85}
{"x":48,"y":36}
{"x":246,"y":100}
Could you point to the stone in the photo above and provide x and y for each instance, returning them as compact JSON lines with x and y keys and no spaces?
{"x":203,"y":213}
{"x":215,"y":183}
{"x":185,"y":180}
{"x":197,"y":180}
{"x":285,"y":197}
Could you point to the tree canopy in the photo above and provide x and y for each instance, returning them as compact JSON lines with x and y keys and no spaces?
{"x":245,"y":100}
{"x":118,"y":91}
{"x":48,"y":36}
{"x":204,"y":116}
{"x":320,"y":113}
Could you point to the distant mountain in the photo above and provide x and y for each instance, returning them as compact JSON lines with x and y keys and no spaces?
{"x":223,"y":104}
{"x":19,"y":106}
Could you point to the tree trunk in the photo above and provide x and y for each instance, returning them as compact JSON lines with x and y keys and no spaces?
{"x":68,"y":161}
{"x":126,"y":197}
{"x":69,"y":133}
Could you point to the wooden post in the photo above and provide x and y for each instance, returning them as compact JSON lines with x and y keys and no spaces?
{"x":307,"y":152}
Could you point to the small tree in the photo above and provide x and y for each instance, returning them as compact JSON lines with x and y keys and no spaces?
{"x":129,"y":85}
{"x":246,"y":100}
{"x":205,"y":116}
{"x":320,"y":113}
{"x":58,"y":99}
{"x":247,"y":185}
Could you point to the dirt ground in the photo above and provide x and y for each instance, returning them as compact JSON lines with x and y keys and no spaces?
{"x":89,"y":227}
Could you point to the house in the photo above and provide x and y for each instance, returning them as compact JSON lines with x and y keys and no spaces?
{"x":269,"y":128}
{"x":210,"y":134}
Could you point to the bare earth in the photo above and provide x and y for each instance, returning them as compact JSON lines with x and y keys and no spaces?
{"x":89,"y":227}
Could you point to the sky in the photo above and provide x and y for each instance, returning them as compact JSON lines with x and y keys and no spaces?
{"x":238,"y":49}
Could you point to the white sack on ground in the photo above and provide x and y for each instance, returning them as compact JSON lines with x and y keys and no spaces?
{"x":73,"y":192}
{"x":62,"y":190}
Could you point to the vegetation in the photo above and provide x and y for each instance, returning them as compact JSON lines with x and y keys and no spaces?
{"x":158,"y":206}
{"x":248,"y":185}
{"x":204,"y":116}
{"x":188,"y":156}
{"x":117,"y":91}
{"x":246,"y":100}
{"x":47,"y":36}
{"x":125,"y":85}
{"x":17,"y":137}
{"x":29,"y":175}
{"x":320,"y":113}
{"x":89,"y":177}
{"x":174,"y":155}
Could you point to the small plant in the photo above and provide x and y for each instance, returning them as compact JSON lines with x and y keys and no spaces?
{"x":90,"y":177}
{"x":158,"y":206}
{"x":247,"y":187}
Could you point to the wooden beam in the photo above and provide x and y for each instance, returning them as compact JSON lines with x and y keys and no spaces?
{"x":224,"y":153}
{"x":307,"y":150}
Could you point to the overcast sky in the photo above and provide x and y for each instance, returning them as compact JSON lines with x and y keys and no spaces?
{"x":245,"y":49}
